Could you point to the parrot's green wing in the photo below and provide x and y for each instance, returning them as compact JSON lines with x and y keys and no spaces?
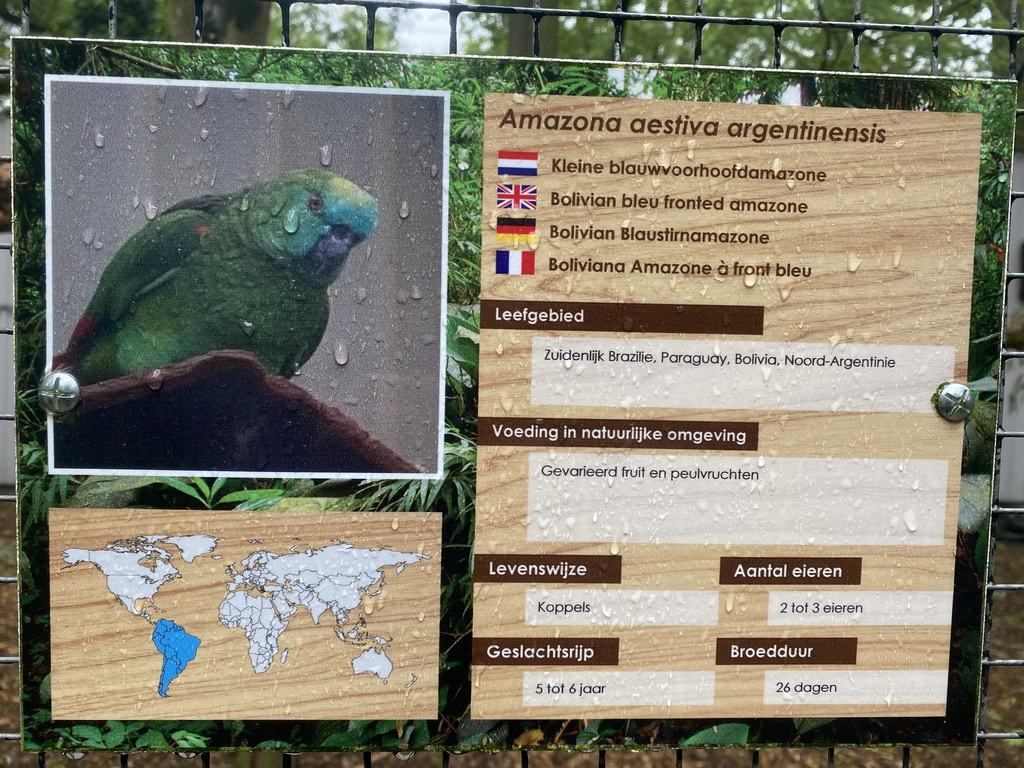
{"x":149,"y":257}
{"x":211,"y":204}
{"x":151,"y":254}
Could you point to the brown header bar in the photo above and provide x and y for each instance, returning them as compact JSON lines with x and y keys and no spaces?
{"x":619,"y":433}
{"x":548,"y":569}
{"x":625,"y":318}
{"x":789,"y":570}
{"x":776,"y":651}
{"x":547,"y":652}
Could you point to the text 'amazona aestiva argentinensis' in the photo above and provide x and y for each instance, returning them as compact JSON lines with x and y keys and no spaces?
{"x":247,"y":270}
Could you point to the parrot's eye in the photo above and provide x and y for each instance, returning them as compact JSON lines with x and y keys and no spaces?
{"x":316,"y":202}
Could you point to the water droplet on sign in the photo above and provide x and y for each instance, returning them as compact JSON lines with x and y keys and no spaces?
{"x":248,"y":327}
{"x":910,"y":519}
{"x":100,"y":140}
{"x":361,"y":295}
{"x":326,"y":155}
{"x":244,"y":205}
{"x":341,"y":353}
{"x":403,"y":211}
{"x":204,"y":134}
{"x":291,"y":221}
{"x":150,"y":210}
{"x":200,"y":98}
{"x":88,"y":236}
{"x":153,"y":129}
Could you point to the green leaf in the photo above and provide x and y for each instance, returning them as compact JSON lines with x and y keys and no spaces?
{"x":217,"y":485}
{"x":731,"y":734}
{"x":806,"y":724}
{"x":188,"y":739}
{"x":152,"y":739}
{"x":251,"y":495}
{"x":383,"y":727}
{"x":419,"y":734}
{"x":203,"y":488}
{"x":351,"y":738}
{"x":109,"y":492}
{"x":88,"y":733}
{"x":183,"y":487}
{"x":115,"y":735}
{"x":590,"y":734}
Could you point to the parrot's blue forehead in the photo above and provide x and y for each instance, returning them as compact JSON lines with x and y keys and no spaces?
{"x":345,"y":203}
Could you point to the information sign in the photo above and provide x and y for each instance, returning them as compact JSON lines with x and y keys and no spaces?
{"x":376,"y":402}
{"x":709,"y":359}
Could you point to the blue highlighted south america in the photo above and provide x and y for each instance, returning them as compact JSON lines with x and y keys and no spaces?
{"x":262,"y":594}
{"x":178,"y":648}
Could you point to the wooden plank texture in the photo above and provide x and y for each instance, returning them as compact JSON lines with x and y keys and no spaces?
{"x":864,"y":252}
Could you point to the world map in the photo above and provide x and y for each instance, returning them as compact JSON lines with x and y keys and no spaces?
{"x":263,"y":592}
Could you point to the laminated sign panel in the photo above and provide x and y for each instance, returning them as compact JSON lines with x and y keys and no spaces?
{"x":375,"y":402}
{"x":715,"y":376}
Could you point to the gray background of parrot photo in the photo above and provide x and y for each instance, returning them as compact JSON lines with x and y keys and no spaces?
{"x":123,"y":150}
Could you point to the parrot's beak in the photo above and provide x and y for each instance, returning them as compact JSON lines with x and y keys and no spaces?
{"x":331,"y":250}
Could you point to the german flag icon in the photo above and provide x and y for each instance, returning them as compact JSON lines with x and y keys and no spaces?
{"x":515,"y":230}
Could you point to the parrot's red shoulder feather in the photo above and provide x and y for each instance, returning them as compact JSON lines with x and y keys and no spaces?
{"x":81,"y":339}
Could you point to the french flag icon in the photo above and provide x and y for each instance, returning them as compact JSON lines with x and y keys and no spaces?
{"x":514,"y":262}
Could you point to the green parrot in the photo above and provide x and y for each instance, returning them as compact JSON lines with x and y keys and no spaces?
{"x":247,"y":270}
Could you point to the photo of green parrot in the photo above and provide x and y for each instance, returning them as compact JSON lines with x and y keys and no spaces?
{"x":246,"y":279}
{"x":247,"y":270}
